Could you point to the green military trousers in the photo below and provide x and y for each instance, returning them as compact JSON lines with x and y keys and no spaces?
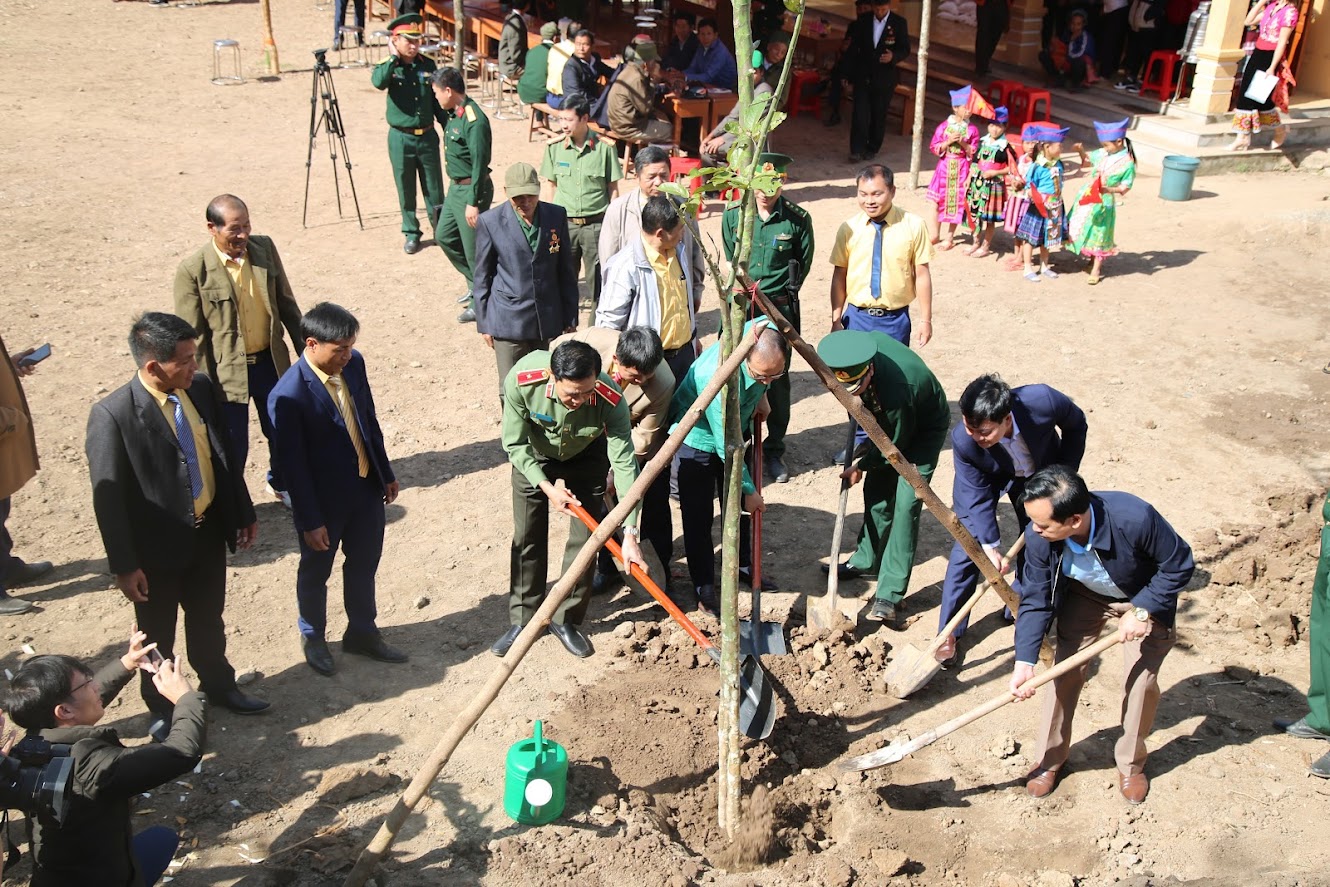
{"x":455,"y":237}
{"x":1318,"y":695}
{"x":416,"y":157}
{"x":778,"y":396}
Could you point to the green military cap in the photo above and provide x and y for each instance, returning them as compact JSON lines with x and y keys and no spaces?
{"x":521,"y":181}
{"x":778,"y":163}
{"x":549,"y":30}
{"x":410,"y":25}
{"x":849,"y":353}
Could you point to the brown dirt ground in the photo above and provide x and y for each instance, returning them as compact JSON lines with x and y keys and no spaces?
{"x":1199,"y":360}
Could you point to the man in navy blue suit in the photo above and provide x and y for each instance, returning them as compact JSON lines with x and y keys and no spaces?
{"x":1005,"y":436}
{"x":1091,"y":558}
{"x":331,"y":451}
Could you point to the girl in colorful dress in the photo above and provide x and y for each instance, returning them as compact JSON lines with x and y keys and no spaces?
{"x":1094,"y":212}
{"x":1042,"y":224}
{"x":1277,"y":19}
{"x":954,"y":142}
{"x":986,"y":196}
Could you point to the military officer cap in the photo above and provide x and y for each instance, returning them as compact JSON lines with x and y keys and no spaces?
{"x":410,"y":25}
{"x":521,"y":181}
{"x":549,"y":30}
{"x":849,"y":353}
{"x":779,"y":163}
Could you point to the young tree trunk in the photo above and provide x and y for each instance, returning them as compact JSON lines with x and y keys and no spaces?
{"x":920,"y":92}
{"x":270,"y":59}
{"x":459,"y":37}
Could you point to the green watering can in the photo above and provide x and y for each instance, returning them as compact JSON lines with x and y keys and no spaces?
{"x":535,"y":780}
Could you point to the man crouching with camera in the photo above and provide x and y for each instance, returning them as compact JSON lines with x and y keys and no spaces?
{"x":59,"y":699}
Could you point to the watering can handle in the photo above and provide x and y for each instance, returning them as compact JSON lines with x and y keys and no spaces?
{"x":540,"y":740}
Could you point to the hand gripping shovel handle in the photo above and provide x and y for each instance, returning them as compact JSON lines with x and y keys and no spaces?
{"x":897,"y":751}
{"x":649,"y":584}
{"x":974,"y":599}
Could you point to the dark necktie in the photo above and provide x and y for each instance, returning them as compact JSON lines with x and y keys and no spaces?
{"x":875,"y":279}
{"x":185,"y":435}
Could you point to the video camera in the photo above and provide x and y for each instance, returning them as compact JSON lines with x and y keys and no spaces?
{"x":34,"y":777}
{"x":321,"y":60}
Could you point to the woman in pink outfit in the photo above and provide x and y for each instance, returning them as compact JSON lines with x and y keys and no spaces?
{"x":954,"y":143}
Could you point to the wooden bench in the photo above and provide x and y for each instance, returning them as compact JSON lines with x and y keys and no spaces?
{"x":615,"y":140}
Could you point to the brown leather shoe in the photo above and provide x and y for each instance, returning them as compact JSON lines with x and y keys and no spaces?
{"x":1041,"y":782}
{"x":1134,"y":788}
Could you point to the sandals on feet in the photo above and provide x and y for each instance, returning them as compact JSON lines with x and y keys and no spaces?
{"x":1033,"y":276}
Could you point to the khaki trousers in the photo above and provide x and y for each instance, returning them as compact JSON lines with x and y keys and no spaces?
{"x":1081,"y":619}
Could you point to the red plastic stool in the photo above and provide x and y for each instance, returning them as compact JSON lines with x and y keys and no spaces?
{"x":999,"y":91}
{"x":1024,"y":101}
{"x":682,"y":166}
{"x":1163,"y":84}
{"x":798,"y":102}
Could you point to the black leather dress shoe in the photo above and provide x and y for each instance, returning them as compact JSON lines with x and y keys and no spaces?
{"x":604,"y":583}
{"x":27,"y":572}
{"x":775,"y":466}
{"x":746,"y":577}
{"x":239,"y":702}
{"x":573,"y":640}
{"x":1321,"y":766}
{"x":1300,"y":728}
{"x":318,"y":655}
{"x":500,"y":647}
{"x":373,"y":646}
{"x":845,"y":571}
{"x":412,"y":244}
{"x":468,"y":315}
{"x":707,"y":599}
{"x":12,"y":606}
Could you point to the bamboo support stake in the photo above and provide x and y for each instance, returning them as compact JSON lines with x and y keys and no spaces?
{"x":856,"y":408}
{"x":466,"y":719}
{"x":920,"y":93}
{"x":269,"y":44}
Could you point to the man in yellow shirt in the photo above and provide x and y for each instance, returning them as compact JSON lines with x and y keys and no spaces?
{"x":880,"y":264}
{"x":235,"y":293}
{"x":169,"y":503}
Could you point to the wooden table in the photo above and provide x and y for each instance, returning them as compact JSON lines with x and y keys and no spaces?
{"x":679,"y":108}
{"x":721,"y":105}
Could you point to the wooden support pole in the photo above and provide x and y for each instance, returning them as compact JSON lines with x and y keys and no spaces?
{"x":370,"y":857}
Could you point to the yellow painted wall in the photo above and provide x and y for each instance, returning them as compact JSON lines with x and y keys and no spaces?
{"x":1314,"y":68}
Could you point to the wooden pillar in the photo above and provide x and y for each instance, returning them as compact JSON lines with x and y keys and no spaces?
{"x":1021,"y":44}
{"x":1217,"y":59}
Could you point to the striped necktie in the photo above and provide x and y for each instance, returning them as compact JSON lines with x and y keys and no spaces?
{"x":185,"y":435}
{"x":875,"y":279}
{"x":342,"y":398}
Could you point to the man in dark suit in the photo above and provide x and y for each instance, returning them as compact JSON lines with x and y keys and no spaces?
{"x":169,"y":502}
{"x":1091,"y":558}
{"x":1005,"y":435}
{"x":881,"y":40}
{"x":235,"y":293}
{"x":331,"y":450}
{"x":526,"y":281}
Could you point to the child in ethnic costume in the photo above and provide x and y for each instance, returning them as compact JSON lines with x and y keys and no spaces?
{"x":1042,"y":224}
{"x":986,"y":195}
{"x":954,"y":142}
{"x":1093,"y":214}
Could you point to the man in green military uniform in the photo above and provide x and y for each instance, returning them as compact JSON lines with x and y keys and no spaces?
{"x":582,"y":170}
{"x":413,"y":143}
{"x":908,"y":402}
{"x":781,"y":254}
{"x":1316,"y":723}
{"x":466,"y":152}
{"x":563,"y":418}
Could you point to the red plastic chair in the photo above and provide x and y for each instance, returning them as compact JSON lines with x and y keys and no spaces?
{"x":999,"y":91}
{"x":1023,"y":103}
{"x":683,"y":166}
{"x":1161,"y":85}
{"x":798,"y":102}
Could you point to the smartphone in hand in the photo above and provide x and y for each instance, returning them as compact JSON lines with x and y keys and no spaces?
{"x":36,"y":357}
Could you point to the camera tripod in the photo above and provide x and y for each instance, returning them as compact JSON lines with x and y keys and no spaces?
{"x":325,"y":115}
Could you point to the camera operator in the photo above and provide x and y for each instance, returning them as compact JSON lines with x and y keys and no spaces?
{"x":60,"y":699}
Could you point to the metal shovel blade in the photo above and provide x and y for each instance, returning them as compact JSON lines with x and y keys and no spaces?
{"x":757,"y":705}
{"x":768,"y":638}
{"x":890,"y":754}
{"x":911,"y":669}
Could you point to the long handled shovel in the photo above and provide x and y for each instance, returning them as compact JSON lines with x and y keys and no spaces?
{"x":898,"y":749}
{"x":757,"y":705}
{"x":833,"y":609}
{"x":755,"y":636}
{"x":911,"y":668}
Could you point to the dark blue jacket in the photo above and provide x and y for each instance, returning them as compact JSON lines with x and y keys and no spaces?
{"x":1144,"y":556}
{"x":521,"y":294}
{"x":317,"y":459}
{"x":982,"y":474}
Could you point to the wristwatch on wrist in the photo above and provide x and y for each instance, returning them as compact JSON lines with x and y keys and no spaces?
{"x":634,"y":532}
{"x":1141,"y":614}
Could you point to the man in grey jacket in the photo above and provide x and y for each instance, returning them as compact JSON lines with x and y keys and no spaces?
{"x":650,"y":283}
{"x":525,"y":279}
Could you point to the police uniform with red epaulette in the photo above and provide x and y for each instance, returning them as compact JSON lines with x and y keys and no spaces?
{"x":547,"y":441}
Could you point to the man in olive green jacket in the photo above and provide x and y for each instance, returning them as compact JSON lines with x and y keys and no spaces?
{"x":235,"y":293}
{"x":18,"y":463}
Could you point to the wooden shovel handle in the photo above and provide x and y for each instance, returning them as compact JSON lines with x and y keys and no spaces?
{"x":833,"y":575}
{"x":648,"y":583}
{"x":974,"y":599}
{"x":1006,"y":696}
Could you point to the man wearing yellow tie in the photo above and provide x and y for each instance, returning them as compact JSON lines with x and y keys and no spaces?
{"x":330,"y":450}
{"x":235,"y":293}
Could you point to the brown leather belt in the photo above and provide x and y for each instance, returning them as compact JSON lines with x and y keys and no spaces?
{"x":414,"y":132}
{"x":586,"y":220}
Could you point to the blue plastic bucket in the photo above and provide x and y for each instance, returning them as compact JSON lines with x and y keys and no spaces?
{"x":1179,"y":176}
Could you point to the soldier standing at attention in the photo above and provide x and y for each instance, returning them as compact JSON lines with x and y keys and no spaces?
{"x":781,"y":254}
{"x":466,"y":152}
{"x":563,"y":418}
{"x":413,"y":143}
